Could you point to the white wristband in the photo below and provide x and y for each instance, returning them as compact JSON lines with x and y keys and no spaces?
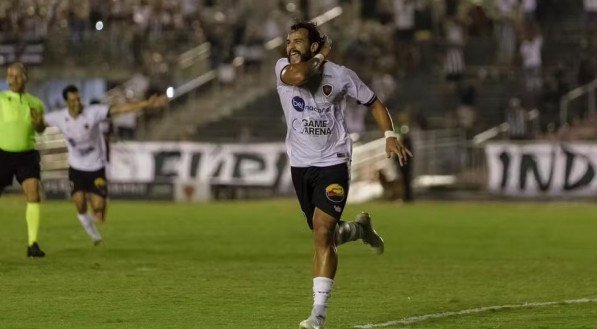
{"x":320,"y":56}
{"x":391,"y":134}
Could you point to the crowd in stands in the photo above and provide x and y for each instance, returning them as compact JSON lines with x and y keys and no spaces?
{"x":138,"y":32}
{"x":390,"y":42}
{"x":432,"y":37}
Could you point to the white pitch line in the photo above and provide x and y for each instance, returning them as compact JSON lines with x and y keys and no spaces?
{"x":415,"y":319}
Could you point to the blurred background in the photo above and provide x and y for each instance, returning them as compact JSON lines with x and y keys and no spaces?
{"x":496,"y":98}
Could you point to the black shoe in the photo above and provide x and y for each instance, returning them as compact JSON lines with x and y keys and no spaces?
{"x":34,"y":251}
{"x":370,"y":238}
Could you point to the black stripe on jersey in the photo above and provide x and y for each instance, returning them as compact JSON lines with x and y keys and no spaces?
{"x":370,"y":102}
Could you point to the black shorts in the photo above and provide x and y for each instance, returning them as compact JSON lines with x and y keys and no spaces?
{"x":88,"y":181}
{"x":22,"y":165}
{"x":323,"y":187}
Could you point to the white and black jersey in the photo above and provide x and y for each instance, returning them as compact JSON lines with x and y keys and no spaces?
{"x":85,"y":141}
{"x":315,"y":119}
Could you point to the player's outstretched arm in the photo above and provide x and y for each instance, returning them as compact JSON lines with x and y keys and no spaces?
{"x":384,"y":122}
{"x":152,"y":102}
{"x":297,"y":74}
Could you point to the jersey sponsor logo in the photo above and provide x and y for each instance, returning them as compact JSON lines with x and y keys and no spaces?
{"x":335,"y":192}
{"x":99,"y":182}
{"x":299,"y":104}
{"x":312,"y":127}
{"x":327,"y":90}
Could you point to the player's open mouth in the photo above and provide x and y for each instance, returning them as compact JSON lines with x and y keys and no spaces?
{"x":294,"y":55}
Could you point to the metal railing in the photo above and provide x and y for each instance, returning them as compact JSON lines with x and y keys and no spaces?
{"x":202,"y":52}
{"x":200,"y":104}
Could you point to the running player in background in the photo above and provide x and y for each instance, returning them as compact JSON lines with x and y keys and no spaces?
{"x":18,"y":157}
{"x":313,"y":94}
{"x":87,"y":156}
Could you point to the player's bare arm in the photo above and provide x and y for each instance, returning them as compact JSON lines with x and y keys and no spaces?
{"x":154,"y":101}
{"x":37,"y":120}
{"x":384,"y":122}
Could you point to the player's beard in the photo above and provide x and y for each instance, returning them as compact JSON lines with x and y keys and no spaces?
{"x":304,"y":56}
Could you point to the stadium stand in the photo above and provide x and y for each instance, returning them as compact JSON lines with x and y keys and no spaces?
{"x":215,"y":59}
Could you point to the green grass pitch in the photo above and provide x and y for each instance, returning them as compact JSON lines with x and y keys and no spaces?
{"x":248,"y":265}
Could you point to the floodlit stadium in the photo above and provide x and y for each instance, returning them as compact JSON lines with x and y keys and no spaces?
{"x":491,"y":224}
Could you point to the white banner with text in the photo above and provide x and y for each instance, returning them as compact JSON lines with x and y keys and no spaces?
{"x":542,"y":169}
{"x":204,"y":171}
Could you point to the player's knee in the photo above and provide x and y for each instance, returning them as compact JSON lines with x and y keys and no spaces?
{"x":32,"y":196}
{"x":31,"y":193}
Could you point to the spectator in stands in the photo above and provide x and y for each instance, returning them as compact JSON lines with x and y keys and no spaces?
{"x":591,"y":14}
{"x":466,"y":112}
{"x":554,"y":87}
{"x":530,"y":53}
{"x":18,"y":157}
{"x":454,"y":64}
{"x":506,"y":30}
{"x":78,"y":18}
{"x":529,"y":7}
{"x":404,"y":23}
{"x":516,"y":117}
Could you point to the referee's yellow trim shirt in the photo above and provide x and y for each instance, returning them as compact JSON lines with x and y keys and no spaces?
{"x":16,"y":130}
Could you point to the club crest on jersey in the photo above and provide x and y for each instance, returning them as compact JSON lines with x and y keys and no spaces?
{"x":335,"y":192}
{"x":327,"y":90}
{"x":298,"y":103}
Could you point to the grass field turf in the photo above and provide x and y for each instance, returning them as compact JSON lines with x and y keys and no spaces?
{"x":247,"y":265}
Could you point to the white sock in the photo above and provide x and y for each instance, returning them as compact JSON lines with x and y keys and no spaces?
{"x":322,"y":290}
{"x":89,"y":227}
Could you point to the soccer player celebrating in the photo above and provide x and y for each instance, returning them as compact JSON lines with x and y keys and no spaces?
{"x":313,"y":93}
{"x":87,"y":151}
{"x":18,"y":157}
